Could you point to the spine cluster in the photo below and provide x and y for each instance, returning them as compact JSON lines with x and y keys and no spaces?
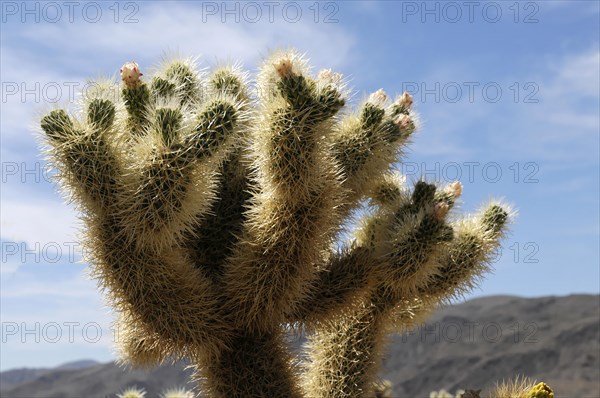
{"x":214,"y":214}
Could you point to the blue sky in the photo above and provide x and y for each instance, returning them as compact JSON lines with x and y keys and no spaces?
{"x":508,"y":94}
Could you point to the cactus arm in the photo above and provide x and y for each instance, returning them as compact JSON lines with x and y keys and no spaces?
{"x":137,"y":99}
{"x":468,"y":256}
{"x":394,"y":251}
{"x":344,"y":356}
{"x":345,"y":351}
{"x":368,"y":142}
{"x":88,"y":165}
{"x":339,"y":285}
{"x":136,"y":346}
{"x":173,"y":184}
{"x":214,"y":235}
{"x":293,"y":207}
{"x":188,"y":85}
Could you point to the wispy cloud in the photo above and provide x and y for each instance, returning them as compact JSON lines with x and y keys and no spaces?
{"x":38,"y":223}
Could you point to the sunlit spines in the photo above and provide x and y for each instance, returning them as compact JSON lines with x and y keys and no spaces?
{"x":383,"y":389}
{"x":179,"y":79}
{"x":132,"y":392}
{"x":345,"y":279}
{"x":58,"y":126}
{"x":172,"y":182}
{"x":389,"y":191}
{"x":468,"y":256}
{"x":366,"y":143}
{"x":406,"y":232}
{"x":344,"y":355}
{"x":177,"y":393}
{"x":137,"y":347}
{"x":230,"y":81}
{"x":162,"y":89}
{"x":100,"y":114}
{"x":293,"y":209}
{"x":357,"y":136}
{"x":521,"y":387}
{"x":380,"y":258}
{"x":294,"y":120}
{"x":160,"y":294}
{"x":88,"y":164}
{"x":418,"y":234}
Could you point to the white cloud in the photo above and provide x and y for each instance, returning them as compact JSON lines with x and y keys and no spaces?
{"x":38,"y":222}
{"x":576,"y":75}
{"x":188,"y":29}
{"x":562,"y":126}
{"x":77,"y":288}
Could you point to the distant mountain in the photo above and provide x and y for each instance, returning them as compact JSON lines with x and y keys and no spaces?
{"x":551,"y":339}
{"x":11,"y":378}
{"x":470,"y":345}
{"x":82,"y":364}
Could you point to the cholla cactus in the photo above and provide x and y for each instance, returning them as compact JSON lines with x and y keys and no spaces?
{"x":383,"y":389}
{"x":178,"y":393}
{"x":442,"y":394}
{"x":522,"y":387}
{"x":214,"y":215}
{"x":132,"y":392}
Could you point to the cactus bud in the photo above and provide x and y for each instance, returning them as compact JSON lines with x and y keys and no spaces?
{"x":378,"y":98}
{"x":405,"y":100}
{"x":404,"y":122}
{"x":454,"y":189}
{"x":284,"y":68}
{"x":330,"y":77}
{"x":130,"y":74}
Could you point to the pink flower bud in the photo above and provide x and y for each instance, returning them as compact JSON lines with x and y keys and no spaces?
{"x":378,"y":98}
{"x":330,"y":77}
{"x":284,"y":68}
{"x":405,"y":100}
{"x":454,"y":189}
{"x":130,"y":74}
{"x":404,"y":122}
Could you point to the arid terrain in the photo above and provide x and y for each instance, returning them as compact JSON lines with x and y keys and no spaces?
{"x":469,"y":345}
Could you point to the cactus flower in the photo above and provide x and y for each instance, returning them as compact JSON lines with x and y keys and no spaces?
{"x":130,"y":74}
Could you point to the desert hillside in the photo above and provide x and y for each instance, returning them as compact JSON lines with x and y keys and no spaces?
{"x":469,"y":345}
